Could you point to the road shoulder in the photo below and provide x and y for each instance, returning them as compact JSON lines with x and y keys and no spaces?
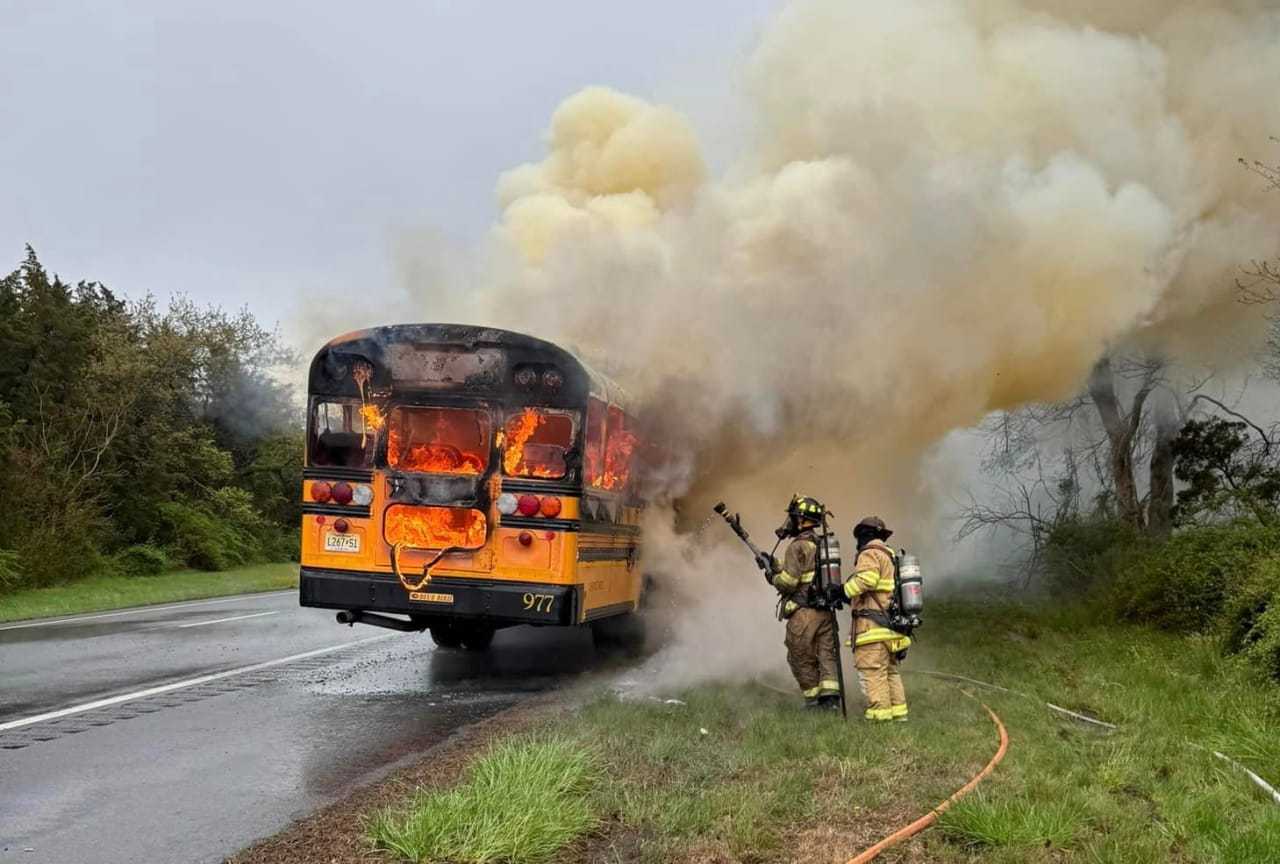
{"x":337,"y":834}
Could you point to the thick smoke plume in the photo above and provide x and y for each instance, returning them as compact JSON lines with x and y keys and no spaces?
{"x":946,"y":208}
{"x":949,"y":208}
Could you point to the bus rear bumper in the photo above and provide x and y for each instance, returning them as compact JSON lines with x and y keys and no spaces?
{"x":497,"y":602}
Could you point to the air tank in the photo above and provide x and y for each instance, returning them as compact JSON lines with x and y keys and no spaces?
{"x":911,"y":583}
{"x":829,"y":562}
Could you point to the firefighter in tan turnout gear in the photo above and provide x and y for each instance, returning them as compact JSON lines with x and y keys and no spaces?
{"x":876,"y":648}
{"x":810,"y":640}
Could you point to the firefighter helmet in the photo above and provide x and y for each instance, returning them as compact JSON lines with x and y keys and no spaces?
{"x":873,"y":525}
{"x":804,"y":507}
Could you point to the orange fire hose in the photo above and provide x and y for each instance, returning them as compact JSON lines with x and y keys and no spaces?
{"x":932,"y":816}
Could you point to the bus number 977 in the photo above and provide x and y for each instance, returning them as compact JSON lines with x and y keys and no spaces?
{"x":538,"y":602}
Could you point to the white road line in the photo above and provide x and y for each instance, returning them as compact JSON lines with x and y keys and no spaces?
{"x":139,"y":610}
{"x":232,"y":618}
{"x":182,"y":685}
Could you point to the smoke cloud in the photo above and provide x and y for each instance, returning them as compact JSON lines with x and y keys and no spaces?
{"x":945,"y":208}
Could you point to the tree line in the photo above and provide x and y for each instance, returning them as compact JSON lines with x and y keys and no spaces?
{"x":137,"y":439}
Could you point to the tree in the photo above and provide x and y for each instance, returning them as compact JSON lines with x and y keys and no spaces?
{"x":121,"y":424}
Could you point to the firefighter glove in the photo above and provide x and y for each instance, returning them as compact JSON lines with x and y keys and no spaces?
{"x":767,"y":563}
{"x":836,"y":596}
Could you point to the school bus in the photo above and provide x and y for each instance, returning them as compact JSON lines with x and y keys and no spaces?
{"x":462,"y":479}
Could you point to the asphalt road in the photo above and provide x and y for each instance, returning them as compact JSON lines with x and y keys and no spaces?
{"x":186,"y":732}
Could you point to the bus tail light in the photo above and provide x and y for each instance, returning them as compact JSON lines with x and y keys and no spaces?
{"x":362,"y":494}
{"x":528,"y":505}
{"x":525,"y":538}
{"x":551,"y":506}
{"x":340,"y":525}
{"x":342,"y":493}
{"x":320,"y":491}
{"x":507,"y":503}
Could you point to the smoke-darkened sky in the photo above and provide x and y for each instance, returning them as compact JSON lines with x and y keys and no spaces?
{"x":244,"y":151}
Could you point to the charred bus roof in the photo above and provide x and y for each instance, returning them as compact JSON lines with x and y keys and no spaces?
{"x":457,"y":360}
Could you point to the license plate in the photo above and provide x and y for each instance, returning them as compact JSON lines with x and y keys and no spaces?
{"x":334,"y":542}
{"x":428,"y":597}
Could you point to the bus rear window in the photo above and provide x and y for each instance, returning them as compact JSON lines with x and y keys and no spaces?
{"x":536,"y":443}
{"x":438,"y":440}
{"x":339,"y":437}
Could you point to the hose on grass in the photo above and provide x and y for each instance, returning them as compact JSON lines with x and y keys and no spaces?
{"x":1262,"y":784}
{"x":932,"y":816}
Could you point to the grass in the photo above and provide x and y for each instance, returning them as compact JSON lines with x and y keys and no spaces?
{"x":521,"y":802}
{"x":96,"y":594}
{"x":767,"y":782}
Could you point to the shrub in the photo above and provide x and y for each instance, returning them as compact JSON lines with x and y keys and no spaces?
{"x":143,"y":560}
{"x":204,"y":540}
{"x":1085,"y":554}
{"x":1183,"y":584}
{"x":1251,"y":620}
{"x":10,"y":573}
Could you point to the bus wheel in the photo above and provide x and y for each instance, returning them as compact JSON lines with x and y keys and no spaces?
{"x":477,"y":638}
{"x":445,"y":636}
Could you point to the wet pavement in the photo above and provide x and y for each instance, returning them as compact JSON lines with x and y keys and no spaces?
{"x":212,"y":724}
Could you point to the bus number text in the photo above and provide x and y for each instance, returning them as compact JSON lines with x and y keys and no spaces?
{"x":538,"y":602}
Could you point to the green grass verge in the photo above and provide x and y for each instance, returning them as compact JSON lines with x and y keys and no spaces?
{"x":100,"y":593}
{"x":741,"y":773}
{"x":521,"y":802}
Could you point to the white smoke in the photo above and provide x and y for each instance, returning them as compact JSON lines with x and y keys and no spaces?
{"x":946,"y":208}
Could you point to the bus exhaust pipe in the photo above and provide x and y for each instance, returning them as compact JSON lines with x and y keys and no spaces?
{"x":351,"y":617}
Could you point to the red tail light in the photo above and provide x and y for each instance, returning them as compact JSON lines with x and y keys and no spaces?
{"x":320,"y":491}
{"x":342,"y":493}
{"x":340,"y":525}
{"x":528,"y":505}
{"x":551,"y":506}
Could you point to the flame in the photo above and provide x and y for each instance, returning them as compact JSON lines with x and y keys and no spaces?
{"x":431,"y":457}
{"x":617,"y":458}
{"x":435,"y":527}
{"x":519,"y":430}
{"x":437,"y":455}
{"x":373,"y":417}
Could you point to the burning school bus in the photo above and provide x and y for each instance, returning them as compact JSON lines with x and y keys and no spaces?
{"x":470,"y":479}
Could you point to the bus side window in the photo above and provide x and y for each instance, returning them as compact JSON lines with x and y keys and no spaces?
{"x":620,"y":444}
{"x":593,"y":444}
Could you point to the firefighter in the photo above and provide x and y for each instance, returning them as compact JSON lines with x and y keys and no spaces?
{"x":876,"y":648}
{"x":810,"y":640}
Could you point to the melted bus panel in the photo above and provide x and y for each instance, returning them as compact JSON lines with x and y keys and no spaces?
{"x":470,"y":479}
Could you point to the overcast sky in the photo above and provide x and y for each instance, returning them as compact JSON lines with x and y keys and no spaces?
{"x":254,"y":152}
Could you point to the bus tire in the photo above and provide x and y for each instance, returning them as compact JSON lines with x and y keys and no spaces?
{"x":446,"y":636}
{"x":477,"y":638}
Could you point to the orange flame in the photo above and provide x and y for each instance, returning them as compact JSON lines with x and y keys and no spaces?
{"x":438,"y":454}
{"x":430,"y":457}
{"x":373,"y":418}
{"x":519,"y":430}
{"x":617,"y":458}
{"x":435,"y":527}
